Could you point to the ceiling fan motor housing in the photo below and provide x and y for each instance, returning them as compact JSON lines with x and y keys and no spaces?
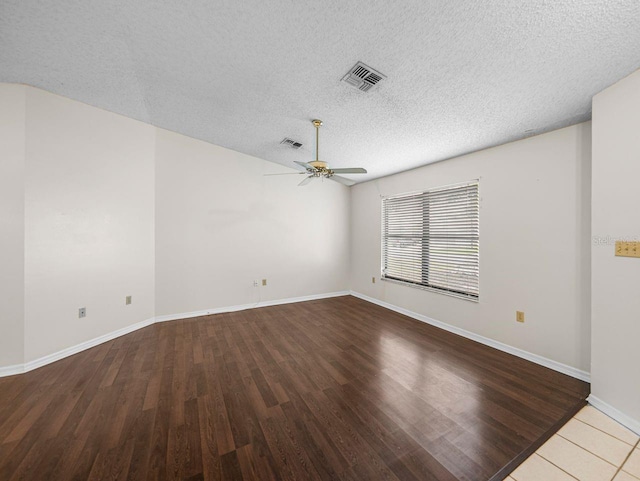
{"x":318,"y":164}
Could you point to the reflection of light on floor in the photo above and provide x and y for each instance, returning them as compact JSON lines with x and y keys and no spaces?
{"x":437,"y":382}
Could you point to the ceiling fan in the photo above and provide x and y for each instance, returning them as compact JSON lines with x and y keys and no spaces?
{"x":319,"y":169}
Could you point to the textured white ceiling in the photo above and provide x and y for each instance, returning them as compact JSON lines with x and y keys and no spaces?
{"x":462,"y":74}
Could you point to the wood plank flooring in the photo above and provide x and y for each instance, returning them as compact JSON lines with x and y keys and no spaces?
{"x":335,"y":389}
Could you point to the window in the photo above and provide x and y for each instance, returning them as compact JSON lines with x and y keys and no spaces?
{"x":431,"y":240}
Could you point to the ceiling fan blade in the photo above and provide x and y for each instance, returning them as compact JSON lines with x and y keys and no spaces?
{"x":341,"y":180}
{"x":350,"y":170}
{"x":288,"y":173}
{"x":306,"y":181}
{"x":305,"y":165}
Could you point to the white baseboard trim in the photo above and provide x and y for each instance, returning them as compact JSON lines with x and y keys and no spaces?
{"x":83,"y":346}
{"x":70,"y":351}
{"x":543,"y":361}
{"x":242,"y":307}
{"x":615,"y":414}
{"x":11,"y":370}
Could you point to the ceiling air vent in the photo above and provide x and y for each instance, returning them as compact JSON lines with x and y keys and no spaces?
{"x":291,"y":143}
{"x":363,"y":77}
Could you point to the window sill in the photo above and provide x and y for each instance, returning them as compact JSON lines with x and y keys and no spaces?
{"x":432,"y":289}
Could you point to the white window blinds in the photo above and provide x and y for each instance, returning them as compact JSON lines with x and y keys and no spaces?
{"x":431,"y":239}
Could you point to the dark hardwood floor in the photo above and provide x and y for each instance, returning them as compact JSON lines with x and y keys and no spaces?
{"x":331,"y":389}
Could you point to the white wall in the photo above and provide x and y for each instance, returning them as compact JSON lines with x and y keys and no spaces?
{"x":534,"y":244}
{"x":616,"y":280}
{"x":12,"y":144}
{"x":220,"y":224}
{"x":89,"y":222}
{"x":81,"y":223}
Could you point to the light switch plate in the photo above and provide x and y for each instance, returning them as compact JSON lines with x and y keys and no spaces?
{"x":519,"y":316}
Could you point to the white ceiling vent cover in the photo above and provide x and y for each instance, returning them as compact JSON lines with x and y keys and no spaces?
{"x":291,"y":143}
{"x":363,"y":77}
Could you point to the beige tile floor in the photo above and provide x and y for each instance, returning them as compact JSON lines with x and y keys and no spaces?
{"x":590,"y":447}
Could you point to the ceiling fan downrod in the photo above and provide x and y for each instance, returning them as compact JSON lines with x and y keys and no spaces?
{"x":318,"y":164}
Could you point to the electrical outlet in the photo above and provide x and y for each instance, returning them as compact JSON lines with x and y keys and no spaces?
{"x":373,"y":280}
{"x":255,"y":283}
{"x":82,"y":312}
{"x":519,"y":316}
{"x":127,"y":300}
{"x":264,"y":282}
